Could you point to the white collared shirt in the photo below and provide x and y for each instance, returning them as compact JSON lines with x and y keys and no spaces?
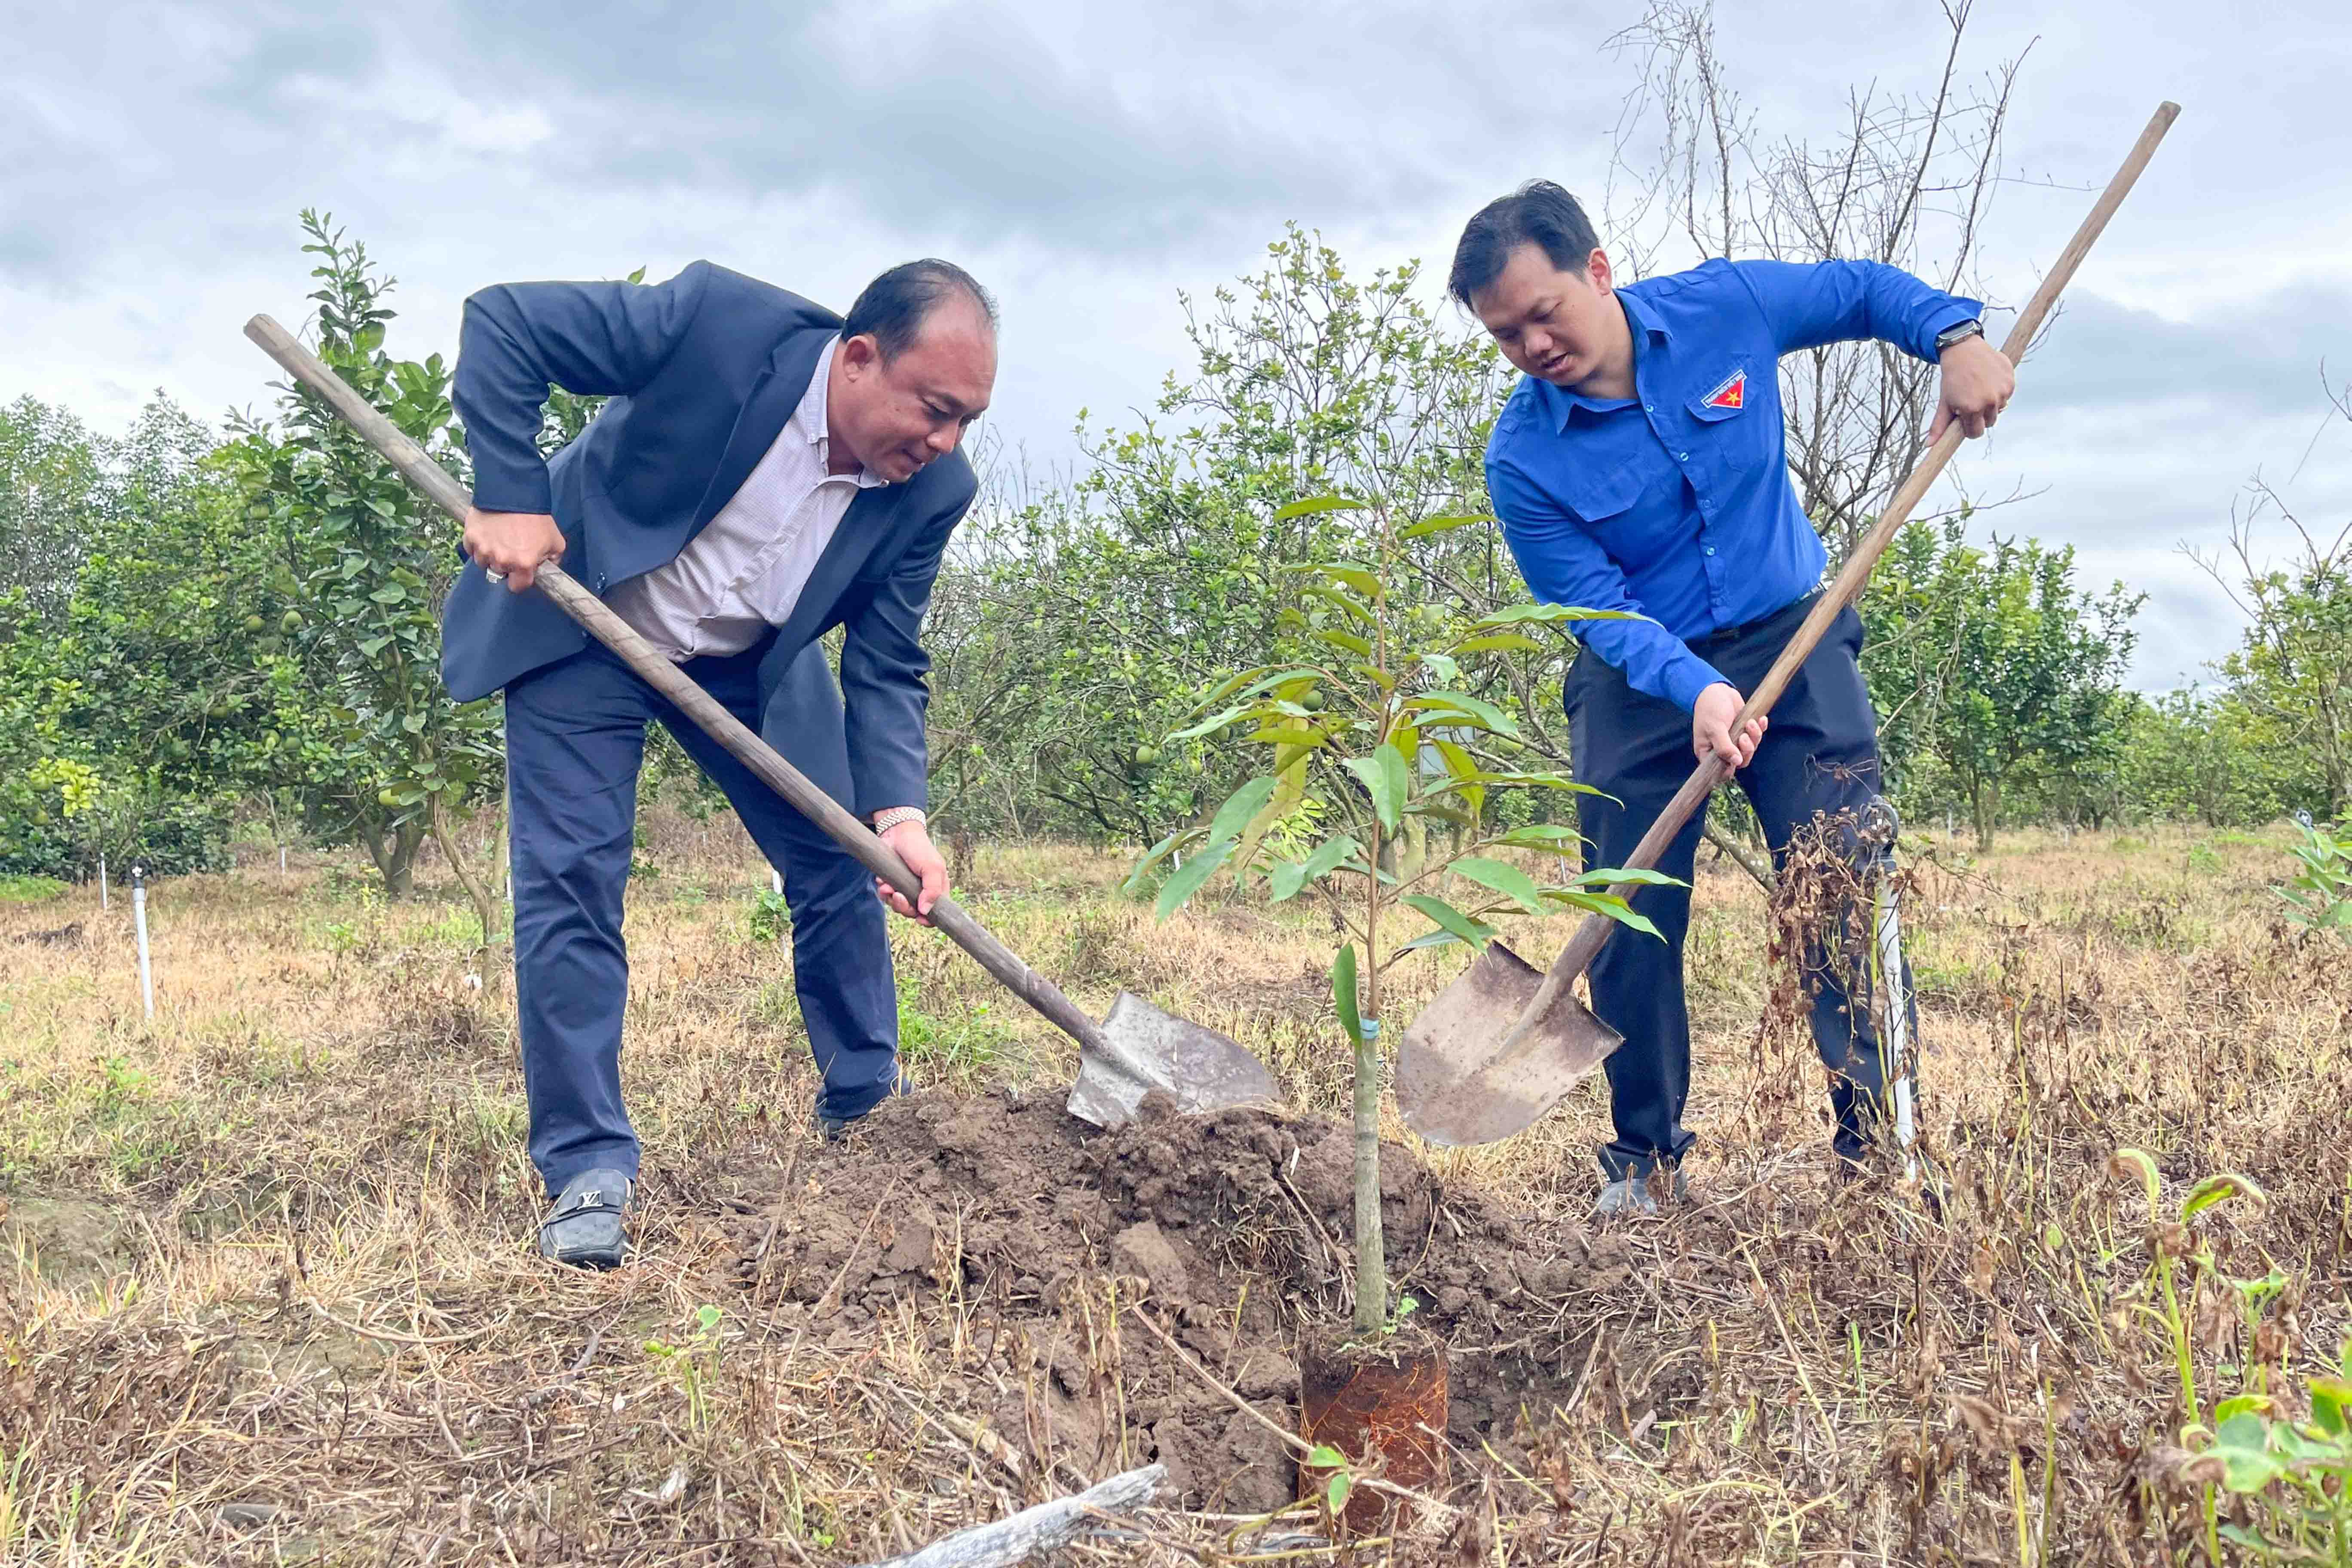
{"x":745,"y":570}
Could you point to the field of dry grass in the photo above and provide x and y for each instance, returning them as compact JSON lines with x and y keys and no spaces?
{"x":269,"y":1293}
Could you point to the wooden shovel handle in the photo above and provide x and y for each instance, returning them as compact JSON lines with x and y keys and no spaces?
{"x":665,"y":677}
{"x":1586,"y":945}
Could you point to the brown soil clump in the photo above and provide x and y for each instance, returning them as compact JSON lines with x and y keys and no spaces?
{"x":1031,"y":1236}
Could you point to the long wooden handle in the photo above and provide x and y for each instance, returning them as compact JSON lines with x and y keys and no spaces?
{"x":665,"y":677}
{"x":1586,"y":945}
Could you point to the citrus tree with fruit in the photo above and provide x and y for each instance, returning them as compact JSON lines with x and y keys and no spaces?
{"x":133,"y":710}
{"x":361,"y":563}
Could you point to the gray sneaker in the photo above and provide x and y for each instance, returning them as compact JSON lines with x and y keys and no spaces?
{"x":1631,"y":1194}
{"x":584,"y":1229}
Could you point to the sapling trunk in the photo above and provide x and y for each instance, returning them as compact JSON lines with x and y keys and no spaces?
{"x":1372,"y":1253}
{"x":501,"y":877}
{"x":484,"y":908}
{"x":1372,"y":1257}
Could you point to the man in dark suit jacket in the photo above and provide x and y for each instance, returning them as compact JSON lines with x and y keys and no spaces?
{"x":763,"y":472}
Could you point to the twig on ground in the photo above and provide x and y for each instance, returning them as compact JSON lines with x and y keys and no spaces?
{"x":776,"y":1218}
{"x":390,"y":1338}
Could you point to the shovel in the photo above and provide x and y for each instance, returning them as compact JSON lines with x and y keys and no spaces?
{"x":1500,"y":1045}
{"x":1136,"y":1049}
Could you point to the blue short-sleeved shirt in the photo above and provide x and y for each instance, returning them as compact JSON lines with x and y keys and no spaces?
{"x":1676,"y":502}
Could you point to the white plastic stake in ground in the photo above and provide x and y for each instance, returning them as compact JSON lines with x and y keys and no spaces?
{"x":776,"y":880}
{"x":138,"y":920}
{"x":101,"y":882}
{"x":281,"y":860}
{"x":1896,"y":1019}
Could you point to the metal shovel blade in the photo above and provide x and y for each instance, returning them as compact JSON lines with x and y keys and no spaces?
{"x":1144,"y":1048}
{"x":1455,"y":1084}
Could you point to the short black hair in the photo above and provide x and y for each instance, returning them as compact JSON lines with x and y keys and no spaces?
{"x":1539,"y":213}
{"x":894,"y":307}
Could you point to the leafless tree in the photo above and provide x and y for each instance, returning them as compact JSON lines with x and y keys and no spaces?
{"x":1694,"y":173}
{"x":2292,"y":670}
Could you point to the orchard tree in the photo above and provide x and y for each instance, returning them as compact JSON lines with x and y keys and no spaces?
{"x":33,"y":693}
{"x":1078,"y":625}
{"x":362,"y":563}
{"x":142,"y":699}
{"x":1991,"y":663}
{"x":54,"y":485}
{"x":2191,"y":756}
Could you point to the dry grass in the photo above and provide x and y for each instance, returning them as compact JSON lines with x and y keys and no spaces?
{"x":272,"y":1297}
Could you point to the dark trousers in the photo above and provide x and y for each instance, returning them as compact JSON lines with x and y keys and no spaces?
{"x":575,"y":739}
{"x":1819,"y":755}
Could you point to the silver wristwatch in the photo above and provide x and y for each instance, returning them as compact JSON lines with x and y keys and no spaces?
{"x":1958,"y":334}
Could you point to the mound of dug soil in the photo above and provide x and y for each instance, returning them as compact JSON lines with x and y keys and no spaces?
{"x":1038,"y":1234}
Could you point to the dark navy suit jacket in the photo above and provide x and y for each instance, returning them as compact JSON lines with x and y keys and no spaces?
{"x":702,"y":372}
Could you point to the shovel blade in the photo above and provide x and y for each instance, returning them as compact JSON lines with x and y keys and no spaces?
{"x":1145,"y":1048}
{"x":1452,"y":1083}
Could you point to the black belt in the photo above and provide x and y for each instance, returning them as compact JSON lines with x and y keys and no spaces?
{"x":1800,"y":608}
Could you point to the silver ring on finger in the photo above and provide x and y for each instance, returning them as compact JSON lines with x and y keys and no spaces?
{"x":494,"y":576}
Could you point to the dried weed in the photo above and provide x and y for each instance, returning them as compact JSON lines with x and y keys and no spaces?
{"x":272,"y":1298}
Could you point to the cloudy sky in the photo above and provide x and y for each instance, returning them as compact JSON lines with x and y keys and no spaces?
{"x":1088,"y":162}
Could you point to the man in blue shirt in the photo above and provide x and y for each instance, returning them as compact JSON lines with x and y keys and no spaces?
{"x":1640,"y":467}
